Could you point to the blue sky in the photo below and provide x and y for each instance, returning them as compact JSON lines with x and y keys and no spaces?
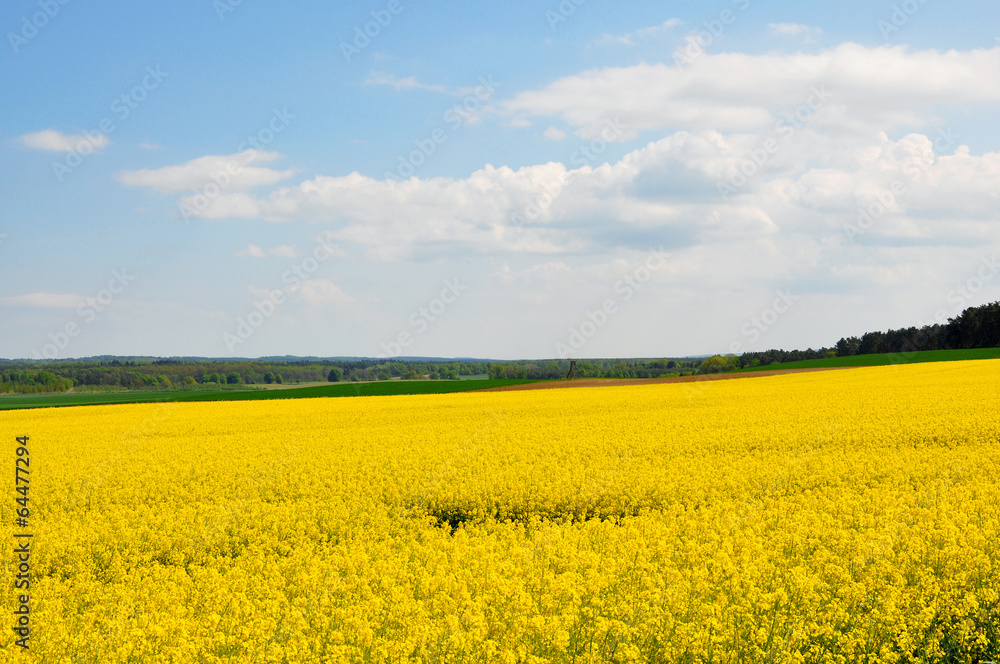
{"x":506,"y":180}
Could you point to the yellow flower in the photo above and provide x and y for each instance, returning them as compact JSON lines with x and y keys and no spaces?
{"x":836,"y":516}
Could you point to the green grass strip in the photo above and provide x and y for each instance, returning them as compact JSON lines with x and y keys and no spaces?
{"x":885,"y":359}
{"x":381,"y":388}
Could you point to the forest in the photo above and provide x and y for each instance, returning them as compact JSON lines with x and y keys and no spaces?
{"x":975,"y":327}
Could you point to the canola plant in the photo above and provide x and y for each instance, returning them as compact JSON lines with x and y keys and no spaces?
{"x":842,"y":516}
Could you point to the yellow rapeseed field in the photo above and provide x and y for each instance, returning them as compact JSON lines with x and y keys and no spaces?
{"x":843,"y":516}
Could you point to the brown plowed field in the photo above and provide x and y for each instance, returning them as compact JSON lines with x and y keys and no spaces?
{"x":614,"y":382}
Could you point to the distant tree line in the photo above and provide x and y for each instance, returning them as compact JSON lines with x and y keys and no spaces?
{"x":25,"y":377}
{"x":32,"y":381}
{"x":976,"y":327}
{"x":764,"y":358}
{"x":595,"y":368}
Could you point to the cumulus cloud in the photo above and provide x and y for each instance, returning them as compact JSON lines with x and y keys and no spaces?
{"x":664,"y":194}
{"x":235,"y":171}
{"x":883,"y":87}
{"x":552,"y":239}
{"x":557,"y":237}
{"x":50,"y":139}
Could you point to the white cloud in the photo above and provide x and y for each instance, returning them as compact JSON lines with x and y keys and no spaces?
{"x":566,"y":233}
{"x":234,"y":170}
{"x":323,"y":292}
{"x":280,"y":251}
{"x":394,"y":219}
{"x":792,"y":29}
{"x":883,"y":87}
{"x":283,"y":251}
{"x":50,"y":139}
{"x":482,"y":90}
{"x":585,"y":226}
{"x":402,"y":84}
{"x":632,"y":38}
{"x":411,"y":83}
{"x":663,"y":194}
{"x":252,"y":251}
{"x":43,"y":301}
{"x":226,"y":206}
